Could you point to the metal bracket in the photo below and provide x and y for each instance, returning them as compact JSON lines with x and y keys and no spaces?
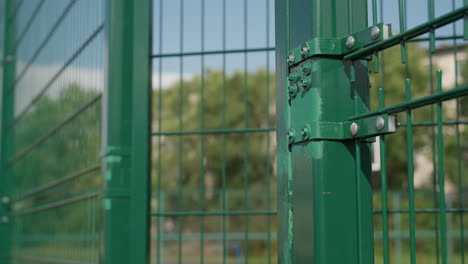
{"x":338,"y":46}
{"x":347,"y":130}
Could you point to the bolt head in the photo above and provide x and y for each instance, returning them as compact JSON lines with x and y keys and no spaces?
{"x":292,"y":89}
{"x":305,"y":50}
{"x":291,"y":135}
{"x":305,"y":132}
{"x":375,"y":31}
{"x":380,"y":123}
{"x":4,"y":219}
{"x":5,"y":200}
{"x":306,"y":68}
{"x":291,"y":58}
{"x":354,"y":129}
{"x":305,"y":83}
{"x":350,"y":42}
{"x":292,"y":77}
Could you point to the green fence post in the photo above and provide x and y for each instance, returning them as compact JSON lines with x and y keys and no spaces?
{"x":126,"y":132}
{"x":6,"y":142}
{"x":324,"y":196}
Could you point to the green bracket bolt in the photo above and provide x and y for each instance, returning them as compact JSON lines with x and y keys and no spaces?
{"x":306,"y":68}
{"x":292,"y":89}
{"x":305,"y":132}
{"x":291,"y":58}
{"x":293,"y":77}
{"x":291,"y":135}
{"x":305,"y":50}
{"x":306,"y":82}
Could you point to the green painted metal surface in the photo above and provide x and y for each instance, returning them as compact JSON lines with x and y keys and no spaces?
{"x":51,"y":118}
{"x":126,"y":133}
{"x":330,"y":189}
{"x":339,"y":46}
{"x":305,"y":193}
{"x":78,"y":142}
{"x":7,"y":77}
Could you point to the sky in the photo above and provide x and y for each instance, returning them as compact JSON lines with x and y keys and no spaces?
{"x":257,"y":32}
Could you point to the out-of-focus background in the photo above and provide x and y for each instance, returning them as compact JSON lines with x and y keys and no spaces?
{"x":213,"y":129}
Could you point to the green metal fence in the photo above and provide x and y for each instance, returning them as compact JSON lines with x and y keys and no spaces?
{"x":327,"y":116}
{"x":74,"y":145}
{"x":51,"y":120}
{"x":432,"y":120}
{"x":213,"y":123}
{"x":145,"y":131}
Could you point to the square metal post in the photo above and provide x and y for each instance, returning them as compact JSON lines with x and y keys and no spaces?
{"x":325,"y":193}
{"x":6,"y":141}
{"x":126,"y":132}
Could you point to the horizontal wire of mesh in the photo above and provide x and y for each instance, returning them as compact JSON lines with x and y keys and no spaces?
{"x":56,"y":130}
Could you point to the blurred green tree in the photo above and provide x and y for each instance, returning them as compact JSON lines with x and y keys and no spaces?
{"x":391,"y":78}
{"x":58,"y":138}
{"x":230,"y":104}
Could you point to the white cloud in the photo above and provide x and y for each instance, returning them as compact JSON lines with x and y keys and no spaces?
{"x":36,"y":77}
{"x":169,"y":79}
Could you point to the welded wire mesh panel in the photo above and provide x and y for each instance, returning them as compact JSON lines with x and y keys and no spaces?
{"x":52,"y":160}
{"x":420,"y":172}
{"x":213,"y":143}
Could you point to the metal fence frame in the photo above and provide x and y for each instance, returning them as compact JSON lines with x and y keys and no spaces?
{"x":126,"y":132}
{"x":313,"y":224}
{"x":325,"y":192}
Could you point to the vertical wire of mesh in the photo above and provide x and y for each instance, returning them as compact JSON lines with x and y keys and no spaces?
{"x":180,"y":184}
{"x":459,"y":156}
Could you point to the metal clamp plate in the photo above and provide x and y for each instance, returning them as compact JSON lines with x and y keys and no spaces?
{"x":348,"y":130}
{"x":338,"y":46}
